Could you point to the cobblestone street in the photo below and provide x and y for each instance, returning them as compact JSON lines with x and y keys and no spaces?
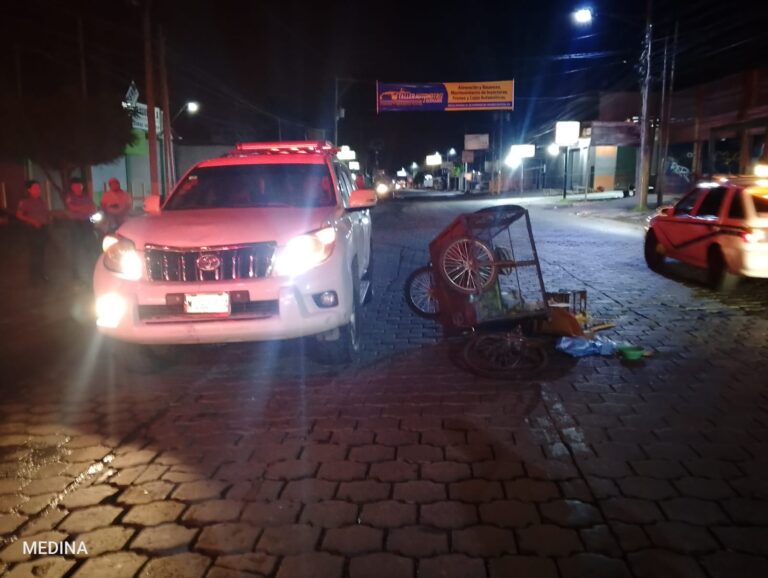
{"x":249,"y":460}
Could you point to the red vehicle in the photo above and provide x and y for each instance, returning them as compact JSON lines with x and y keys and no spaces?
{"x":720,"y":226}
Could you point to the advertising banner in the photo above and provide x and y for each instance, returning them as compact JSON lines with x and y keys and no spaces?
{"x":445,"y":96}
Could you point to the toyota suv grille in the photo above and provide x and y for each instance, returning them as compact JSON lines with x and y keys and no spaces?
{"x":209,"y":263}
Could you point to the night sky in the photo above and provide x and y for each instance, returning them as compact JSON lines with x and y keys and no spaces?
{"x":249,"y":62}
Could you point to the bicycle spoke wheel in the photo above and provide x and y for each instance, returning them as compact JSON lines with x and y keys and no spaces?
{"x":420,"y":293}
{"x":467,"y":266}
{"x":504,"y":355}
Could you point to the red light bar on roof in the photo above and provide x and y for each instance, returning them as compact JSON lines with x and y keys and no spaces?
{"x":304,"y":146}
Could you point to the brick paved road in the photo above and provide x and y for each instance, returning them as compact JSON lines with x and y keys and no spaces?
{"x":250,"y":461}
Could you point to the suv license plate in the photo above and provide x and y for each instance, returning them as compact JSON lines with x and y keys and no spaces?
{"x":207,"y":303}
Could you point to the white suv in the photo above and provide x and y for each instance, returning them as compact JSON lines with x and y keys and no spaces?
{"x":271,"y":241}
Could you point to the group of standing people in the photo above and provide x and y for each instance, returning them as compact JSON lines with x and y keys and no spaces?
{"x":35,"y":216}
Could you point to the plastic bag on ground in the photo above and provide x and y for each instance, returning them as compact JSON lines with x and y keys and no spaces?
{"x":583,"y":347}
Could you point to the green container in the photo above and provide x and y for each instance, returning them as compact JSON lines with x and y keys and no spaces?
{"x":631,"y":352}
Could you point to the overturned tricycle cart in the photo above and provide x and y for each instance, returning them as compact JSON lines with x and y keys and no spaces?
{"x":484,"y":282}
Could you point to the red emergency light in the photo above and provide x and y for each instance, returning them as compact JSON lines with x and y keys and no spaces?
{"x":285,"y":147}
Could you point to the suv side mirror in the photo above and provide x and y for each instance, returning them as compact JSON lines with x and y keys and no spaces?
{"x":666,"y":210}
{"x":152,"y":205}
{"x":362,"y":199}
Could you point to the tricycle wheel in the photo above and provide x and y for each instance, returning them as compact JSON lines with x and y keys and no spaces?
{"x":468,"y":266}
{"x":504,"y":355}
{"x":420,"y":293}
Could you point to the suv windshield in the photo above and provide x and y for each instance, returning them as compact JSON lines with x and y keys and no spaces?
{"x":252,"y":186}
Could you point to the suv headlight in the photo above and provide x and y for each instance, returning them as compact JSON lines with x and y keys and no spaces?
{"x":121,"y":257}
{"x":304,"y":252}
{"x":382,"y":189}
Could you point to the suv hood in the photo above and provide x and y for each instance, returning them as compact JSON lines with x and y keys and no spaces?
{"x":213,"y":227}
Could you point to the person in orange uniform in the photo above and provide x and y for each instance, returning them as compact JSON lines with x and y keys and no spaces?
{"x":116,"y":203}
{"x":80,"y":208}
{"x":33,"y":212}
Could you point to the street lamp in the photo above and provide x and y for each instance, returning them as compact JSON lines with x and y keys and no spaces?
{"x":516,"y":158}
{"x":414,"y":169}
{"x":192,"y":107}
{"x":513,"y":161}
{"x":583,"y":16}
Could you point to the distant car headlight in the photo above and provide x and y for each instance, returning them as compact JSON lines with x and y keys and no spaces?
{"x":304,"y":252}
{"x":382,"y":189}
{"x":121,"y":257}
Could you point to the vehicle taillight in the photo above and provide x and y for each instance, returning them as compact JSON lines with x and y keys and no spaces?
{"x":754,"y":236}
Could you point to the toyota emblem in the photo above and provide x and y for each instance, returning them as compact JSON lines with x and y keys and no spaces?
{"x":208,"y":262}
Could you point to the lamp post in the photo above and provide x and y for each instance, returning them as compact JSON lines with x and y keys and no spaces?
{"x":566,"y":135}
{"x":451,"y":153}
{"x":553,"y":150}
{"x":192,"y":107}
{"x":584,"y":16}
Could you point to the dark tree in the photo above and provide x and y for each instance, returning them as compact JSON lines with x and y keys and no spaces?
{"x":62,"y":131}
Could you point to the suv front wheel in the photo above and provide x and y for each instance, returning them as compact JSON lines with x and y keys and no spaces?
{"x":343,"y":350}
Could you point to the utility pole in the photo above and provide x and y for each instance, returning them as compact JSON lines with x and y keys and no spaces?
{"x":565,"y":172}
{"x":645,"y":148}
{"x":666,"y":117}
{"x":85,"y":171}
{"x":656,"y":160}
{"x":501,"y":150}
{"x":150,"y":88}
{"x":81,"y":46}
{"x":336,"y":110}
{"x":170,"y":164}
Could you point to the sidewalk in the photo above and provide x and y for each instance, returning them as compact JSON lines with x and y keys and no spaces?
{"x":619,"y":209}
{"x":606,"y":205}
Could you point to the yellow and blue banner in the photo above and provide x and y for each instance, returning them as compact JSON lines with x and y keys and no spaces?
{"x":445,"y":96}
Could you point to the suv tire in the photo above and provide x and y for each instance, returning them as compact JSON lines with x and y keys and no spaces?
{"x":719,"y":277}
{"x":368,"y":276}
{"x":343,"y":350}
{"x":653,"y":257}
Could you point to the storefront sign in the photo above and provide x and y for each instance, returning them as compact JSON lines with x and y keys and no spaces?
{"x":476,"y":142}
{"x":140,"y":121}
